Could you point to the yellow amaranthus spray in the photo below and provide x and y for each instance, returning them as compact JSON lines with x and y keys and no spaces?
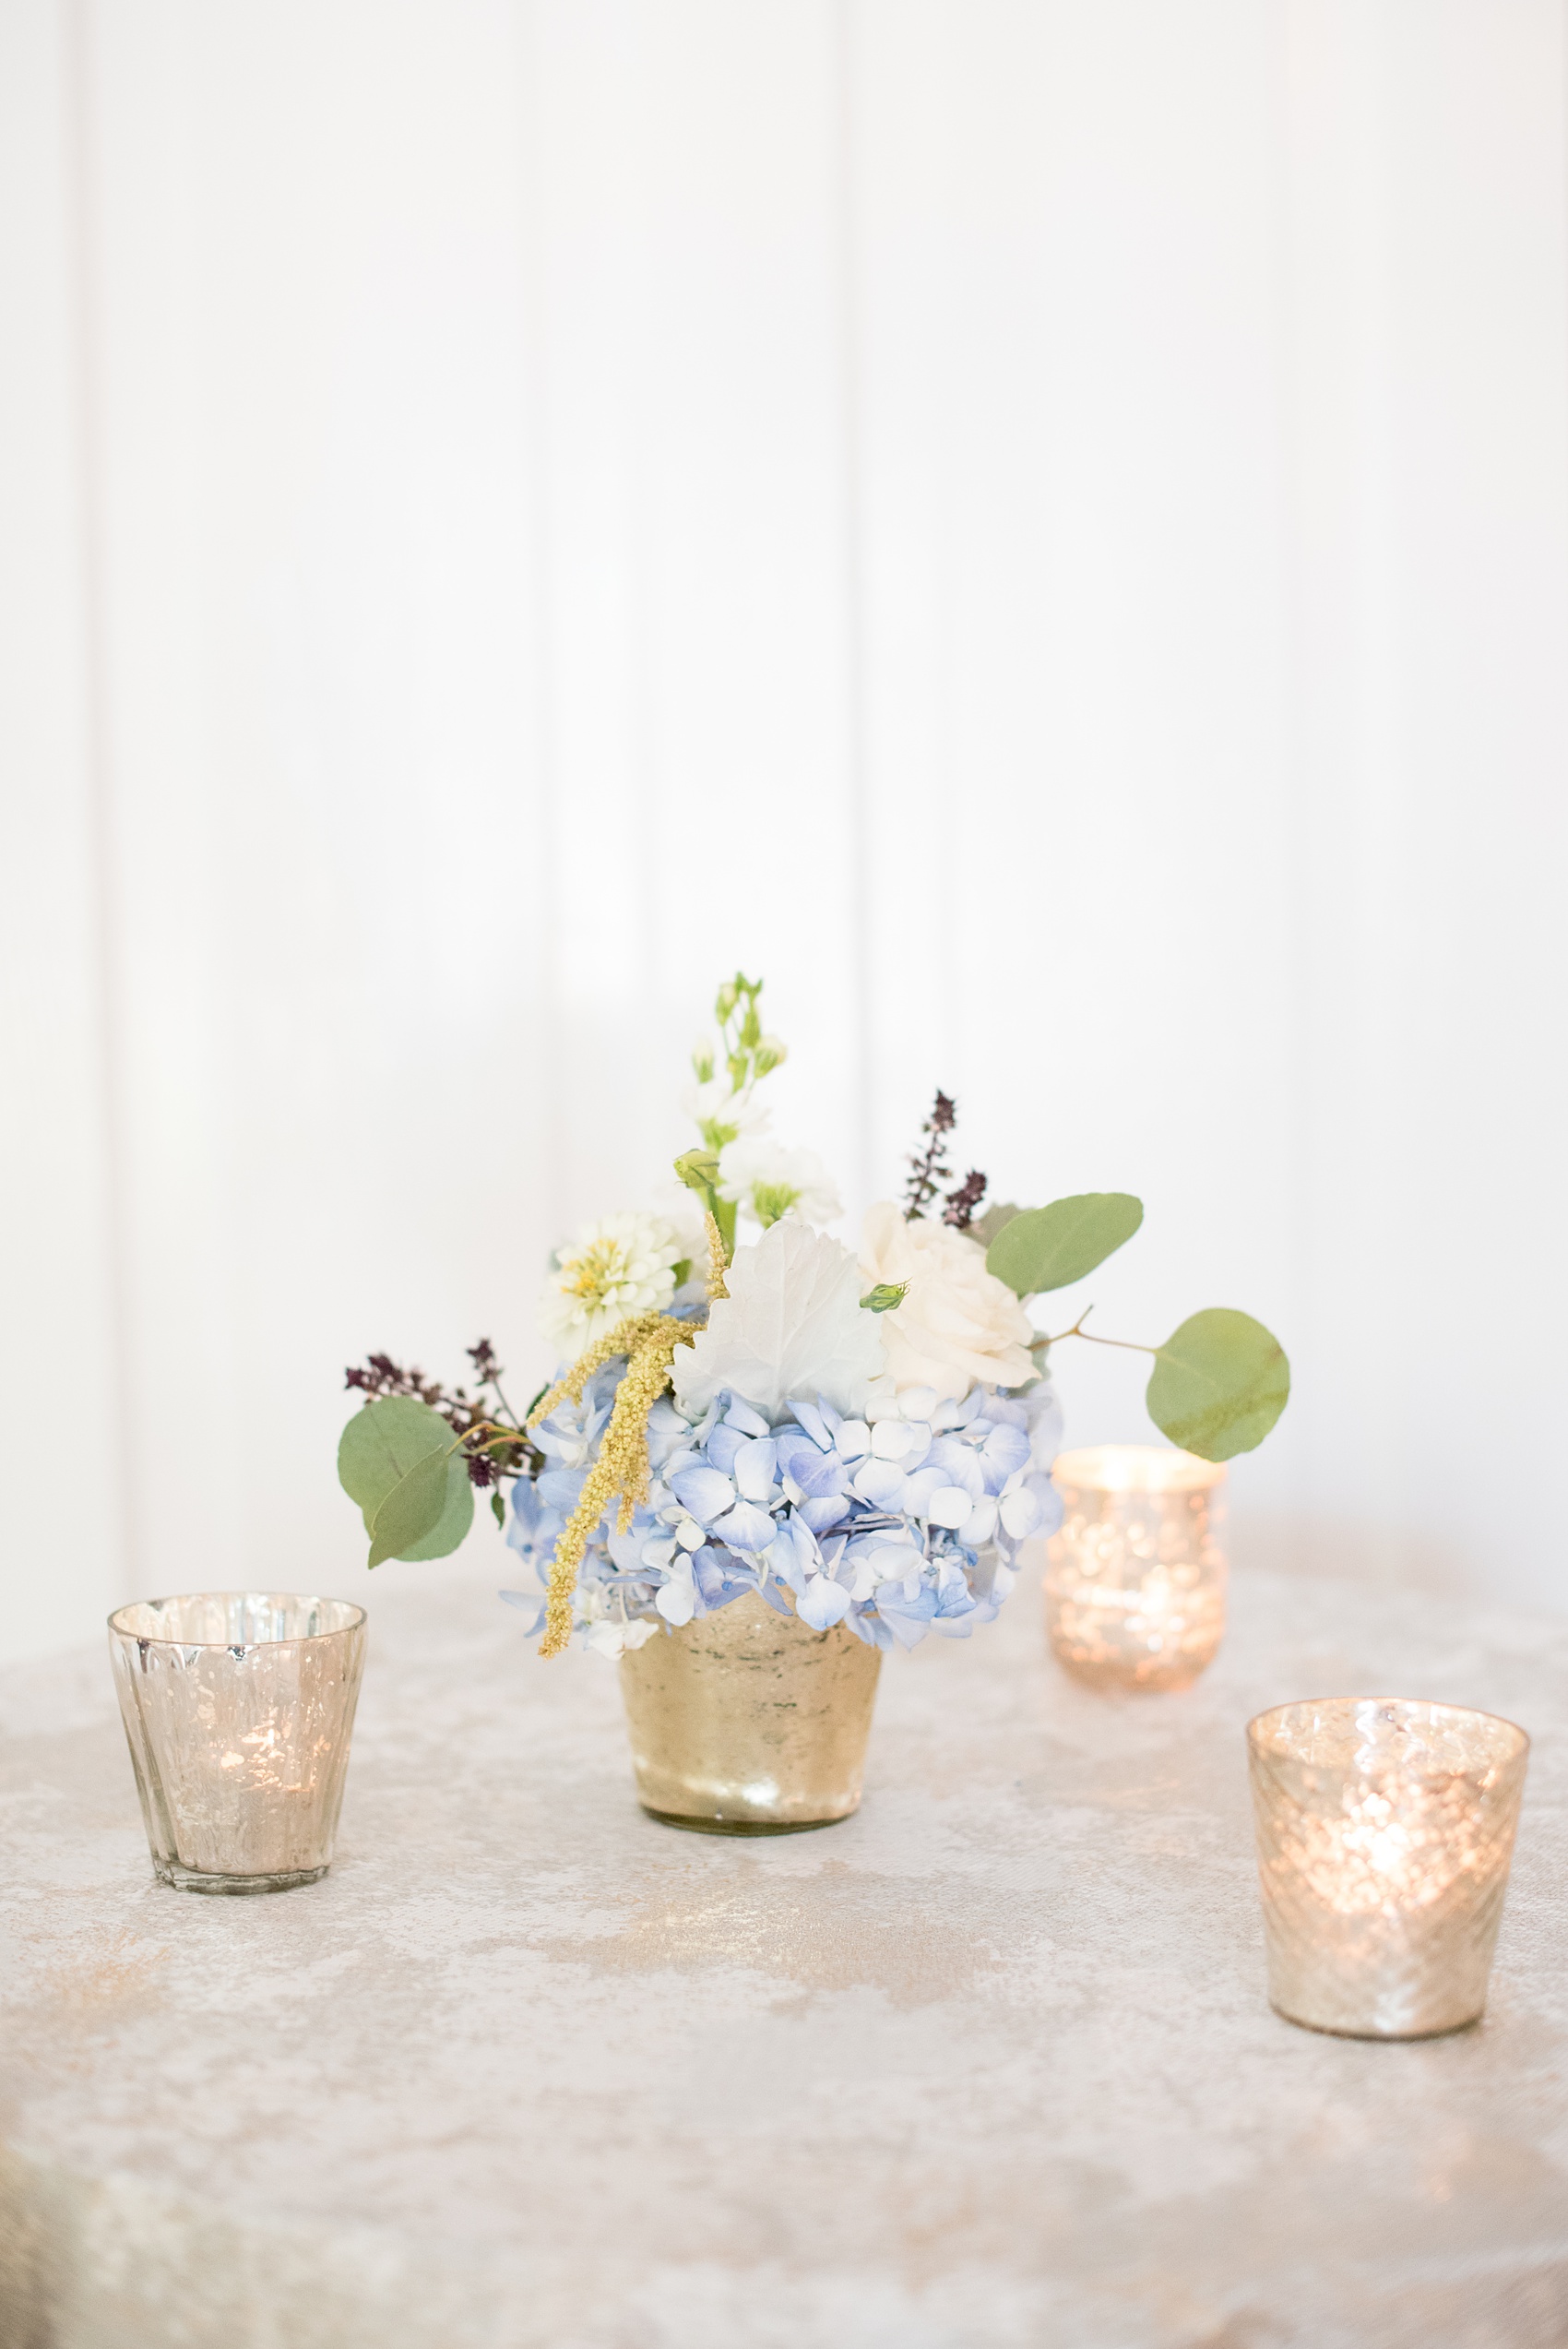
{"x":648,"y":1342}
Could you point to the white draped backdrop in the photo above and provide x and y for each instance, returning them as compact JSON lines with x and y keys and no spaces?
{"x":1040,"y":525}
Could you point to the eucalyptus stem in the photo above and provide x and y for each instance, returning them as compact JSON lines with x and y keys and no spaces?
{"x":1077,"y":1330}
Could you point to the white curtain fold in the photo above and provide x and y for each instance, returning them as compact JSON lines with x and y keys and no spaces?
{"x":1042,"y":529}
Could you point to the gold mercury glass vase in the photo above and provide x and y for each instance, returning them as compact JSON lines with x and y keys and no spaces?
{"x":748,"y":1722}
{"x":1135,"y":1586}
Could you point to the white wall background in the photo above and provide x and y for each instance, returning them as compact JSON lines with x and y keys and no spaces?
{"x":1042,"y":525}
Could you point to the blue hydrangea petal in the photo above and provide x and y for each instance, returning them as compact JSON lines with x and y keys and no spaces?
{"x":1053,"y":1507}
{"x":753,"y":1468}
{"x":1004,"y":1452}
{"x":722,"y":1446}
{"x":523,"y":1517}
{"x":533,"y":1604}
{"x":626,"y":1549}
{"x":817,"y":1427}
{"x":703,"y":1491}
{"x":918,"y":1488}
{"x":823,"y":1603}
{"x":744,"y":1527}
{"x":794,"y":1452}
{"x":909,"y":1620}
{"x":822,"y":1475}
{"x":879,"y":1482}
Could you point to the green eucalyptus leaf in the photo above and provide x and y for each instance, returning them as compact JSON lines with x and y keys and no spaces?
{"x":1219,"y":1384}
{"x":498,"y":1507}
{"x":1050,"y":1247}
{"x":456,"y":1515}
{"x":380,"y":1445}
{"x":412,"y":1510}
{"x":985,"y":1227}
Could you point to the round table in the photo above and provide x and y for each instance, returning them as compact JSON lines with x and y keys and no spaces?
{"x":989,"y":2066}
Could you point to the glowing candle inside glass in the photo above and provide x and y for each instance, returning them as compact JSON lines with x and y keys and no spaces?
{"x":1135,"y":1586}
{"x":1385,"y":1827}
{"x":238,"y":1707}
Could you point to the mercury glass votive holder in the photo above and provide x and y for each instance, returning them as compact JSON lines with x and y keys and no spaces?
{"x":1134,"y":1581}
{"x":238,"y":1707}
{"x":1385,"y":1827}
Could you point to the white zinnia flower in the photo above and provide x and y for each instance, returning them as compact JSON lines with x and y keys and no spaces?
{"x":624,"y":1264}
{"x":768,"y":1181}
{"x":679,"y":1208}
{"x":791,"y":1325}
{"x":957,"y":1322}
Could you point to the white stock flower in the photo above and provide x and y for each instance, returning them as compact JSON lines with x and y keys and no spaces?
{"x":792,"y":1324}
{"x":720,"y":1115}
{"x":957,"y":1322}
{"x":768,"y":1181}
{"x":622,"y":1265}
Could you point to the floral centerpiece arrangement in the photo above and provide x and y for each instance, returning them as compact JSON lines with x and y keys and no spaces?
{"x":857,"y":1440}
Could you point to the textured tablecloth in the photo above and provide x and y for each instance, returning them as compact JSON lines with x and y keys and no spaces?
{"x":988,"y":2066}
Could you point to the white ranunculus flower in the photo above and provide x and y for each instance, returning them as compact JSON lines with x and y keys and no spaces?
{"x":624,"y":1264}
{"x":791,"y":1325}
{"x":958,"y":1322}
{"x":768,"y":1181}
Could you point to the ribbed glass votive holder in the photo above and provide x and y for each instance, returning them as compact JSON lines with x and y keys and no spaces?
{"x":1135,"y":1583}
{"x":1385,"y":1827}
{"x":238,"y":1707}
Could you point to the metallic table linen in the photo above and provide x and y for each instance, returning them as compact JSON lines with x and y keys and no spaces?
{"x":990,"y":2065}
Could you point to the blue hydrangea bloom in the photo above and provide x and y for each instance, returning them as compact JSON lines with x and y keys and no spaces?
{"x":904,"y":1523}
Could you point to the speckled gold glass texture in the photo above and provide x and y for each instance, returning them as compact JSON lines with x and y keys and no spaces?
{"x":238,"y":1707}
{"x":1386,"y":1828}
{"x":747,"y":1721}
{"x":1135,"y":1583}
